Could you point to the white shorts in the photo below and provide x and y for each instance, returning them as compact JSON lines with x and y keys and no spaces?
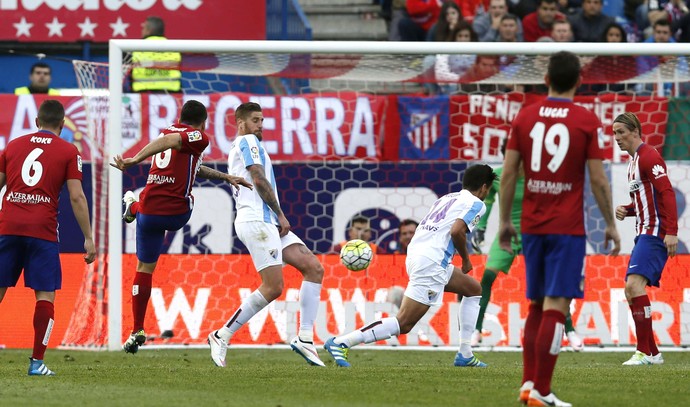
{"x":264,"y":243}
{"x":427,"y":280}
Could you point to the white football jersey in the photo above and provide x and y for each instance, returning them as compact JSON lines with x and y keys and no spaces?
{"x":245,"y":151}
{"x":432,"y":238}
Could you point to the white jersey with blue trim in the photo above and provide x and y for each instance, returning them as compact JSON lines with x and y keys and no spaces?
{"x":246,"y":151}
{"x":432,"y":238}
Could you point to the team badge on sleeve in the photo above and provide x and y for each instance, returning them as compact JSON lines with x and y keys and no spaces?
{"x":475,"y":221}
{"x":255,"y":153}
{"x":79,"y":163}
{"x":194,"y":136}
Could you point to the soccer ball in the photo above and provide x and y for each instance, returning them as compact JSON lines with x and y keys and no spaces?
{"x":356,"y":255}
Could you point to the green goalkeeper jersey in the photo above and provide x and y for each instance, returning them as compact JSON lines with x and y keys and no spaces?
{"x":516,"y":213}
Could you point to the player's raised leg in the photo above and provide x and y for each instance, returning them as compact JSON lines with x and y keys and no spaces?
{"x":411,"y":311}
{"x":297,"y":255}
{"x":131,"y":207}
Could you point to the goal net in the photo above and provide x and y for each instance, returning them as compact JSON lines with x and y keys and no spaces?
{"x":378,"y":130}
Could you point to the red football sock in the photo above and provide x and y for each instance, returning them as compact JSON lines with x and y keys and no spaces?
{"x":141,"y":292}
{"x":529,"y":338}
{"x":642,"y":315}
{"x":547,"y":348}
{"x":44,"y":314}
{"x":134,"y":209}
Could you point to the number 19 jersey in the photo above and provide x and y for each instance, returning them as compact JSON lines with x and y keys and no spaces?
{"x":432,"y":237}
{"x":555,"y":138}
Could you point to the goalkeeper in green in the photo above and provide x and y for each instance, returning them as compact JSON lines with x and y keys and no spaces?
{"x":500,"y":260}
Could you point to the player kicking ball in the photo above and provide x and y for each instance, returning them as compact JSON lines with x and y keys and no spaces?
{"x":442,"y":232}
{"x":166,"y":202}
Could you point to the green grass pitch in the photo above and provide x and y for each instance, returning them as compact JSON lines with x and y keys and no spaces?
{"x":278,"y":377}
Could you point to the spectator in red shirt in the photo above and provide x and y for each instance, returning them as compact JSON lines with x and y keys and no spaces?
{"x":538,"y":24}
{"x":422,"y":14}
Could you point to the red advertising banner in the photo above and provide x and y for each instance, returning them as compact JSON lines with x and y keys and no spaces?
{"x":194,"y":294}
{"x":329,"y":126}
{"x":480,"y":122}
{"x":102,"y":20}
{"x":296,"y":128}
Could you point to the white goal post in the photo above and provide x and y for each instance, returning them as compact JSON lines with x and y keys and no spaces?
{"x":119,"y":48}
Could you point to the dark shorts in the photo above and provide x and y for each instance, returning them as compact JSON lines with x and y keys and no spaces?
{"x":40,"y":260}
{"x":648,"y":258}
{"x":555,"y":265}
{"x":151,"y":233}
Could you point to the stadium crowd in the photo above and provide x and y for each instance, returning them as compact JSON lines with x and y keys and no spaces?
{"x":533,"y":21}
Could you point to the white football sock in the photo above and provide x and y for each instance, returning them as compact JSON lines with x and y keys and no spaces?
{"x":376,"y":331}
{"x":469,"y":312}
{"x":254,"y":303}
{"x":309,"y":298}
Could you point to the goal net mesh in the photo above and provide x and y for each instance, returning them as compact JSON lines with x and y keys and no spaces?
{"x":379,"y":136}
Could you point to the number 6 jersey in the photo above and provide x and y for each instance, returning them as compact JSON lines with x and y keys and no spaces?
{"x":555,"y":138}
{"x":37,"y":166}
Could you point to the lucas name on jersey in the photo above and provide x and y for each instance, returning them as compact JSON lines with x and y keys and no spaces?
{"x":22,"y":198}
{"x":553,"y":112}
{"x":160,"y":179}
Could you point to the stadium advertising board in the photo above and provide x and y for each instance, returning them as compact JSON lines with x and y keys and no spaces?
{"x":192,"y":295}
{"x":479,"y":123}
{"x":102,"y":20}
{"x":347,"y":125}
{"x":296,"y":128}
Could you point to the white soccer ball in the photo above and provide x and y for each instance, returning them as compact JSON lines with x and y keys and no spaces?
{"x":356,"y":255}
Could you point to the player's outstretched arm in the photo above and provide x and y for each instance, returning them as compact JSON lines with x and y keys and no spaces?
{"x":458,"y":233}
{"x":81,"y":212}
{"x":602,"y":194}
{"x":172,"y":140}
{"x":265,"y":190}
{"x":209,"y":173}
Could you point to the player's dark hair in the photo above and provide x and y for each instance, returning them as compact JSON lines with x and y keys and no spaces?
{"x":478,"y":175}
{"x":244,"y":110}
{"x":51,"y":114}
{"x":193,"y":113}
{"x":630,"y":121}
{"x":39,"y":65}
{"x":540,"y":2}
{"x":564,"y":71}
{"x":407,"y":222}
{"x":156,"y":26}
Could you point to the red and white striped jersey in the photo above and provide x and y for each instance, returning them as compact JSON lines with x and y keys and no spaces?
{"x":653,"y":199}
